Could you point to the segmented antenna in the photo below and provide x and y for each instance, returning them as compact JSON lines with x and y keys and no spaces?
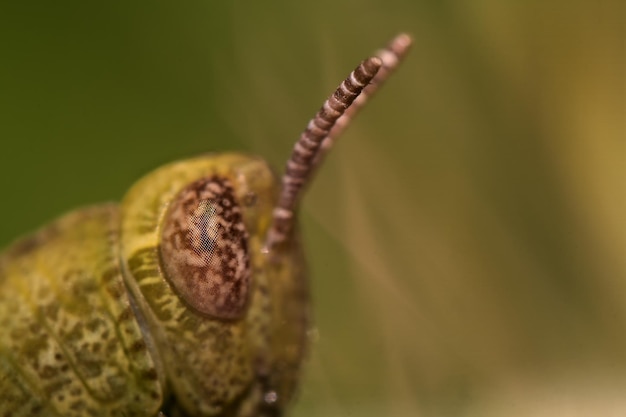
{"x":392,"y":56}
{"x":306,"y":148}
{"x":322,"y":131}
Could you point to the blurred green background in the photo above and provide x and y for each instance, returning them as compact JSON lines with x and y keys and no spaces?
{"x":466,"y":237}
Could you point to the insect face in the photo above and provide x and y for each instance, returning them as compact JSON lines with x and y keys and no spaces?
{"x":188,"y":299}
{"x":190,"y":261}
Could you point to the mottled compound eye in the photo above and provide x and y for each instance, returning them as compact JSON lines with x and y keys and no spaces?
{"x":204,"y":248}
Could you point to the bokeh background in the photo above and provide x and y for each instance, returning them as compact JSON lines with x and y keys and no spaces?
{"x":467,"y":236}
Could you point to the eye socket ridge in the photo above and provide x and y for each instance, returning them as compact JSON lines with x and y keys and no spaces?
{"x":204,"y":248}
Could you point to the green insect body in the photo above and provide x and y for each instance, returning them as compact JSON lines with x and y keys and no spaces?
{"x":187,"y":299}
{"x":87,"y":350}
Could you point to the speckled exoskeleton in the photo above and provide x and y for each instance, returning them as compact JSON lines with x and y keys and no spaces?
{"x":187,"y":299}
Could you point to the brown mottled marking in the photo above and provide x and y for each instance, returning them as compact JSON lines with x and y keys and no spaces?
{"x":26,"y":246}
{"x":30,"y":244}
{"x":150,"y":374}
{"x":110,"y":274}
{"x":145,"y":273}
{"x":204,"y":248}
{"x":138,"y":346}
{"x":141,"y":258}
{"x":125,"y":315}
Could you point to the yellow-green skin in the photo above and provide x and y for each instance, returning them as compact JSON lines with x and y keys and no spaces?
{"x":90,"y":326}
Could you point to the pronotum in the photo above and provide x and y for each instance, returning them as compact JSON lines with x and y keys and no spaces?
{"x":187,"y":299}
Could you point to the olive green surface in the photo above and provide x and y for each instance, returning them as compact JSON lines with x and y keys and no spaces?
{"x":216,"y":366}
{"x":465,"y":239}
{"x":90,"y":326}
{"x":69,"y":344}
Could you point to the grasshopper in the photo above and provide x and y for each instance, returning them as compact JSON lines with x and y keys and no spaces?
{"x":189,"y":298}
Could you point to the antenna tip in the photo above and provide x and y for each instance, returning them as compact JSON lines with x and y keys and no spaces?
{"x":401,"y":43}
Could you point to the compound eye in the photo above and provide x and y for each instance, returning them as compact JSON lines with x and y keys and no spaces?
{"x":204,"y":249}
